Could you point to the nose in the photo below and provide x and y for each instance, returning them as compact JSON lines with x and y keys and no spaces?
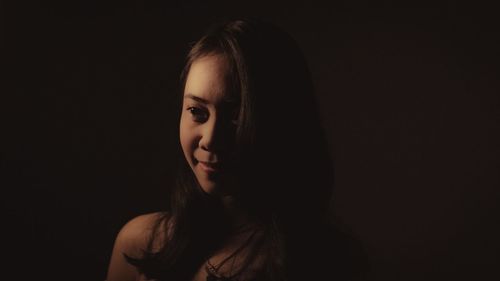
{"x":212,"y":135}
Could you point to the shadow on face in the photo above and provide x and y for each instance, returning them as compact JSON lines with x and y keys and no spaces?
{"x":208,"y":123}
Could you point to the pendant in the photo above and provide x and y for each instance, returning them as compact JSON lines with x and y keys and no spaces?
{"x":211,"y":277}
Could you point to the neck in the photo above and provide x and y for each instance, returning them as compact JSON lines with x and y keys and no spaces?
{"x":239,"y":218}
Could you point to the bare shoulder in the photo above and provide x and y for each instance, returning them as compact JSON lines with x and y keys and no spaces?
{"x":134,"y":236}
{"x":132,"y":240}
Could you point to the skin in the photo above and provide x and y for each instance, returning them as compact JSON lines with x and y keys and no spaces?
{"x":208,"y":124}
{"x":207,"y":132}
{"x":131,"y":239}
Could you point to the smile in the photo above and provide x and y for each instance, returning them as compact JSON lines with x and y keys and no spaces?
{"x":209,"y":167}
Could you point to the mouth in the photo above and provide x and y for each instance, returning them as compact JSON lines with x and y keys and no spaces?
{"x":210,"y":167}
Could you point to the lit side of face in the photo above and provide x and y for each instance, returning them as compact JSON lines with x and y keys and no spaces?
{"x":207,"y":124}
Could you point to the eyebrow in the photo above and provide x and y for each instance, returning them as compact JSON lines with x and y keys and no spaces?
{"x":198,"y":99}
{"x":204,"y":101}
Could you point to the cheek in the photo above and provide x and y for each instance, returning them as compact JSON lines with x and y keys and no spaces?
{"x":187,"y":139}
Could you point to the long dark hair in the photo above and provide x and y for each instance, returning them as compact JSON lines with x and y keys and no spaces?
{"x":284,"y":165}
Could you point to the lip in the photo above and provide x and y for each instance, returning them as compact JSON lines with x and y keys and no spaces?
{"x":209,"y":167}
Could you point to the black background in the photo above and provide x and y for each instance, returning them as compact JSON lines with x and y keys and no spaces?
{"x":409,"y":97}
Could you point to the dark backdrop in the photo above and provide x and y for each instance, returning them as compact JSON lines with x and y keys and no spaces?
{"x":409,"y":97}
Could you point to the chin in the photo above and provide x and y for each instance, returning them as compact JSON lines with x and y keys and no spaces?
{"x":208,"y":188}
{"x":211,"y":188}
{"x":206,"y":184}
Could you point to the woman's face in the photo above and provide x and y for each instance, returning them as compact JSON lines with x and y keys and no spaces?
{"x":208,"y":124}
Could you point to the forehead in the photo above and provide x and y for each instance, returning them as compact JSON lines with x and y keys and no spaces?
{"x":208,"y":79}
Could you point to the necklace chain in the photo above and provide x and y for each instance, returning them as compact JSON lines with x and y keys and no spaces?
{"x":213,"y":270}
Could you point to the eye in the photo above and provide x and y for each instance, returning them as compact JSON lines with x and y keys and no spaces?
{"x":199,"y":115}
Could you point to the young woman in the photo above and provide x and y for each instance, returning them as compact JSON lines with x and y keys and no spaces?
{"x":255,"y":178}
